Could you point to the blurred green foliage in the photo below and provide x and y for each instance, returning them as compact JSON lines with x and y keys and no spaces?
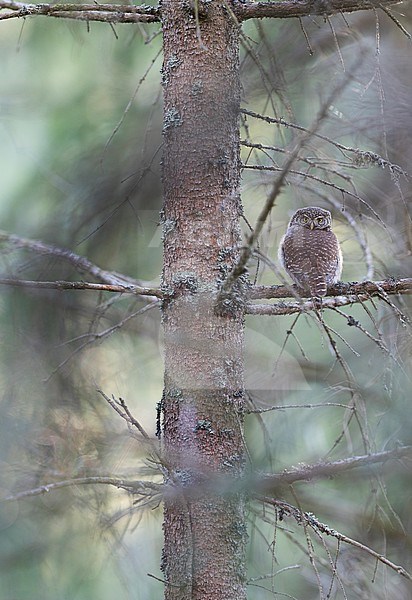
{"x":80,"y":137}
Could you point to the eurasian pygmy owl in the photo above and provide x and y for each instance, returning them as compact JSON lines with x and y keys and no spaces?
{"x":310,"y":252}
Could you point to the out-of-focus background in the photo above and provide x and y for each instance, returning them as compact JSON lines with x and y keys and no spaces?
{"x":80,"y":152}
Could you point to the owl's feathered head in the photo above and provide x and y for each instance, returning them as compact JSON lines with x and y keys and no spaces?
{"x":312,"y":217}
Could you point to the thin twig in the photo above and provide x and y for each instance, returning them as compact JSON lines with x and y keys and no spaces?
{"x":122,"y":409}
{"x":311,"y":162}
{"x":360,"y":234}
{"x":288,"y":406}
{"x":361,"y":157}
{"x":132,"y":486}
{"x":130,"y":103}
{"x":310,"y":520}
{"x":306,"y":175}
{"x":395,"y":20}
{"x":92,"y":336}
{"x":352,"y":387}
{"x":309,"y":545}
{"x":305,"y":34}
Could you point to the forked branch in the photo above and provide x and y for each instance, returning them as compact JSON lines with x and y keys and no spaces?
{"x":260,"y":484}
{"x":307,"y":519}
{"x":118,"y":282}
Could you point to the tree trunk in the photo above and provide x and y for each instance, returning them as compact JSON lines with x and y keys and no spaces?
{"x":204,"y":531}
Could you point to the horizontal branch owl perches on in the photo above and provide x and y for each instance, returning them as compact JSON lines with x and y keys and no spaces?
{"x":388,"y":286}
{"x":339,"y":294}
{"x":109,"y":281}
{"x":242,"y":11}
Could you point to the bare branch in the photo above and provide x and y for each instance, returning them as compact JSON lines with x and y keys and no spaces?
{"x":340,"y":294}
{"x":361,"y":158}
{"x":307,"y":519}
{"x":92,"y":336}
{"x":304,"y":8}
{"x":259,"y":411}
{"x":82,"y":264}
{"x":305,"y":175}
{"x":122,"y":409}
{"x":290,"y":308}
{"x":108,"y":13}
{"x":322,"y":470}
{"x":355,"y":397}
{"x":395,"y":20}
{"x":130,"y":486}
{"x":373,"y":288}
{"x":83,"y":285}
{"x":116,"y":13}
{"x":359,"y":232}
{"x":262,"y":484}
{"x":311,"y":162}
{"x":355,"y":323}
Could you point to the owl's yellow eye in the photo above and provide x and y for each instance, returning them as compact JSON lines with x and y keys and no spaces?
{"x":304,"y":220}
{"x":320,"y":220}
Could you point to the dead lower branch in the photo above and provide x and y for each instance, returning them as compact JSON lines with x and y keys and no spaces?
{"x":107,"y":13}
{"x":120,"y":406}
{"x":303,"y":8}
{"x":307,"y":519}
{"x":260,"y":484}
{"x":80,"y":263}
{"x":131,"y":486}
{"x":83,"y":285}
{"x":268,"y":483}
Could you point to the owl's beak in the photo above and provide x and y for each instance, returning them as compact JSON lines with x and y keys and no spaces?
{"x":312,"y":224}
